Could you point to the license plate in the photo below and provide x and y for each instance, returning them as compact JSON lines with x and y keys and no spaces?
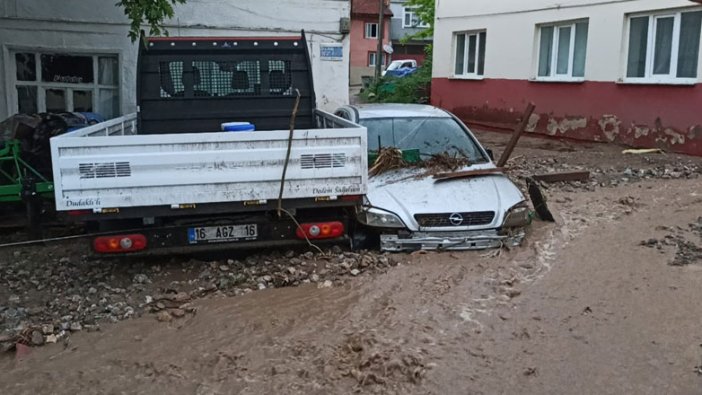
{"x":222,"y":234}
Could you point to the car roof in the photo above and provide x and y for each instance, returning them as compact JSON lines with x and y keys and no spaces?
{"x":392,"y":110}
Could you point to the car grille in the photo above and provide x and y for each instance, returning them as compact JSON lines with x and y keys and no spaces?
{"x":451,"y":219}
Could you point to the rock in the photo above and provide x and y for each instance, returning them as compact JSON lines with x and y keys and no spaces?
{"x":267,"y":278}
{"x":181,"y":297}
{"x":37,"y":338}
{"x":289,"y":254}
{"x":291,"y":270}
{"x":224,"y":268}
{"x":230,"y":261}
{"x":325,"y":284}
{"x":141,"y":279}
{"x":75,"y":327}
{"x":51,"y":339}
{"x":164,"y":316}
{"x":314,"y":277}
{"x":177,"y":313}
{"x":47,"y":329}
{"x":148,"y":299}
{"x":261,"y":286}
{"x":64,"y":260}
{"x":355,"y":272}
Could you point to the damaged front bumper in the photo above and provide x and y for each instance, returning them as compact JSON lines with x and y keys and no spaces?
{"x":450,"y":241}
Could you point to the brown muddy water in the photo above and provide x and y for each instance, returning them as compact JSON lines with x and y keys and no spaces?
{"x":582,"y":307}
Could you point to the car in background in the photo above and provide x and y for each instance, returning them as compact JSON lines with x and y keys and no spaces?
{"x":409,"y":210}
{"x":400,"y":67}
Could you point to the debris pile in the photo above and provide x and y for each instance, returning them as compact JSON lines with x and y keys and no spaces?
{"x":388,"y":159}
{"x":444,"y":162}
{"x":686,"y":251}
{"x":371,"y":362}
{"x":45,"y":296}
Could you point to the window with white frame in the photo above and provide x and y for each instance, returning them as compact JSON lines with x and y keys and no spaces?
{"x":562,"y":51}
{"x":371,"y":30}
{"x":411,"y":19}
{"x":469,"y":54}
{"x":59,"y":82}
{"x":372,"y":56}
{"x":664,"y":47}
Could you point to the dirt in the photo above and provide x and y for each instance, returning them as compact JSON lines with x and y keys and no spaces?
{"x":589,"y":304}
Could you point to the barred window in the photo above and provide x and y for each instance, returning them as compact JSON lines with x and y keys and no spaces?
{"x":171,"y":79}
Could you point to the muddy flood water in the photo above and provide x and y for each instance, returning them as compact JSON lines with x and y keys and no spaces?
{"x":588,"y":305}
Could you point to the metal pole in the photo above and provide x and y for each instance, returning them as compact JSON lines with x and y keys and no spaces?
{"x":381,"y":31}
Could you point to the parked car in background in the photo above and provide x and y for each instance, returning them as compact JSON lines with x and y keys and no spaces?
{"x":409,"y":210}
{"x":401,"y":64}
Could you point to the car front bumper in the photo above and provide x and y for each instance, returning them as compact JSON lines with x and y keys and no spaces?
{"x":449,"y":241}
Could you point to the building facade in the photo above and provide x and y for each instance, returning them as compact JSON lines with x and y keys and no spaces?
{"x":405,"y":23}
{"x":364,"y":38}
{"x":618,"y":71}
{"x":74,"y":55}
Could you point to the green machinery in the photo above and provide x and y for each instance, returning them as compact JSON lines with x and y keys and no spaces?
{"x":21,"y":183}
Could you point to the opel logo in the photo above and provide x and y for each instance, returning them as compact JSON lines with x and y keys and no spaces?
{"x":456,"y":219}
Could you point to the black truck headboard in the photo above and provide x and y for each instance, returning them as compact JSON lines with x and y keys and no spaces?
{"x":194,"y":84}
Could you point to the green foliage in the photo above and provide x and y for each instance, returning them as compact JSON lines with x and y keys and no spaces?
{"x":151,"y":12}
{"x":413,"y":88}
{"x":425,"y":10}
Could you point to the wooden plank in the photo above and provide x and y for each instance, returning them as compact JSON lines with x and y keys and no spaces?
{"x":519,"y":129}
{"x":467,"y":174}
{"x":563,"y":176}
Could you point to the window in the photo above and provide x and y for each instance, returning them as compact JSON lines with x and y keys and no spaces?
{"x":371,"y":30}
{"x":411,"y":19}
{"x":59,"y":82}
{"x":469,"y":56}
{"x":562,"y":51}
{"x":372,"y":56}
{"x":664,"y":47}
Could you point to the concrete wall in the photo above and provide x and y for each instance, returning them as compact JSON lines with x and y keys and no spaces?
{"x":600,"y":107}
{"x":79,"y":26}
{"x":361,"y":46}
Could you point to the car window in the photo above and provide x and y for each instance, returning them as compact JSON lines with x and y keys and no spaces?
{"x":431,"y":136}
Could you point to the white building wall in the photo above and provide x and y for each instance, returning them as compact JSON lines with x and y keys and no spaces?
{"x":89,"y":26}
{"x":511,"y":27}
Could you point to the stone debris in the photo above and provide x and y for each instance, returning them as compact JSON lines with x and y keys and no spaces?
{"x":681,"y":240}
{"x":55,"y":290}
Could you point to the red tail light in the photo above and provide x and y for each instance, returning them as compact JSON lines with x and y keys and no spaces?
{"x":119,"y":243}
{"x":320,"y":230}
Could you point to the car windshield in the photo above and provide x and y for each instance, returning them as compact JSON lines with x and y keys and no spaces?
{"x":431,"y":136}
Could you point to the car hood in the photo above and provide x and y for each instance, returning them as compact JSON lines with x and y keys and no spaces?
{"x":406,"y":195}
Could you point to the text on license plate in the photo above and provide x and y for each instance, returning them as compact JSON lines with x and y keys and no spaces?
{"x":215,"y":234}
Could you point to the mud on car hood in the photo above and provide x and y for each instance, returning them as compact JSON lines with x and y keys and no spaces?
{"x":434,"y":203}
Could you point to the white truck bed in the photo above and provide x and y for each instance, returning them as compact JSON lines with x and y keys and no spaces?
{"x":109,"y":165}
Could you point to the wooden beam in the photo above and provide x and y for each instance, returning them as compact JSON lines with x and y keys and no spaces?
{"x":518,"y":130}
{"x":467,"y":174}
{"x":563,"y":176}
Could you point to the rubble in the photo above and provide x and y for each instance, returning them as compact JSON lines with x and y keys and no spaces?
{"x":51,"y":291}
{"x":680,"y":239}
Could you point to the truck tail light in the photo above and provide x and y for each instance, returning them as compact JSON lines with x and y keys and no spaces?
{"x":119,"y":243}
{"x":320,"y":230}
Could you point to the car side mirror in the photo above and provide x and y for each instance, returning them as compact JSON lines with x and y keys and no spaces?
{"x":490,"y":154}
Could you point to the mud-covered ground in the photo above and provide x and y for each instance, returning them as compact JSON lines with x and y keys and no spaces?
{"x":606,"y":300}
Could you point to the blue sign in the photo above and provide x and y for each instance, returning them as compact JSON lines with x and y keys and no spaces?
{"x":331,"y":52}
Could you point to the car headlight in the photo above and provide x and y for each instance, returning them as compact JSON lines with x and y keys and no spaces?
{"x":380,"y":219}
{"x":518,"y":216}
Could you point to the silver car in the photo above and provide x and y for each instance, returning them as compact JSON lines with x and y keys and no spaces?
{"x":409,"y":211}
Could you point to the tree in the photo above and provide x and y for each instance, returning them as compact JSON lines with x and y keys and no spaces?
{"x":151,"y":12}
